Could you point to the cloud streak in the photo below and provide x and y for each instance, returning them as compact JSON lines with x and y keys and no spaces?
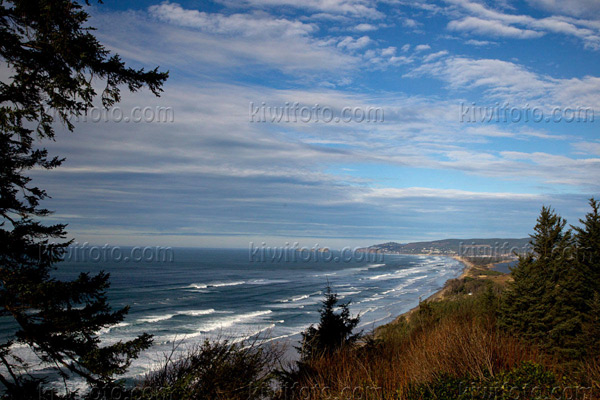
{"x":214,"y":178}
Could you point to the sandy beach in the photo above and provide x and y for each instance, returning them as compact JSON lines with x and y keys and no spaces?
{"x":470,"y":270}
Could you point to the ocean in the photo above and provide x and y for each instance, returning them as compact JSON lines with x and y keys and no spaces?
{"x":216,"y":293}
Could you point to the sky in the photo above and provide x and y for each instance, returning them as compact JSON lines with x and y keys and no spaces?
{"x":218,"y":174}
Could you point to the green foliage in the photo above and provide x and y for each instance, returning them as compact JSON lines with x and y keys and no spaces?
{"x":487,"y":272}
{"x":591,"y":326}
{"x":214,"y":370}
{"x":587,"y":256}
{"x":483,"y":303}
{"x":483,"y":260}
{"x":466,"y":285}
{"x":527,"y":381}
{"x":551,"y":301}
{"x":52,"y":57}
{"x":529,"y":300}
{"x":335,"y":330}
{"x":446,"y":349}
{"x":587,"y":238}
{"x":333,"y":334}
{"x":444,"y":387}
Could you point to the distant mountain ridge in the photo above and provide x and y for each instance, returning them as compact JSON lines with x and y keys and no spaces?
{"x":461,"y":247}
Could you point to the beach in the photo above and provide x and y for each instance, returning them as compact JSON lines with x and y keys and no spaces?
{"x":470,"y":270}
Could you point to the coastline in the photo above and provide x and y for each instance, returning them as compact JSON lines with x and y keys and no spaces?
{"x":468,"y":268}
{"x":469,"y":271}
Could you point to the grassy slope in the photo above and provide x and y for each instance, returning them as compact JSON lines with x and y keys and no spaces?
{"x":436,"y":349}
{"x":447,"y":348}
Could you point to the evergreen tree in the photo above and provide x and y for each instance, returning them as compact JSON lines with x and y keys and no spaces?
{"x":51,"y":56}
{"x":334,"y":330}
{"x":528,"y":301}
{"x":575,"y":294}
{"x":587,"y":239}
{"x":521,"y":311}
{"x":567,"y":300}
{"x":591,"y":327}
{"x":551,"y":299}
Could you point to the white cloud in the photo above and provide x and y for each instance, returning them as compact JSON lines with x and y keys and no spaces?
{"x":390,"y":51}
{"x":383,"y":58}
{"x":253,"y":25}
{"x":354,"y":8}
{"x":515,"y":84}
{"x":290,"y":45}
{"x":579,"y":92}
{"x":433,"y":56}
{"x":486,"y":21}
{"x":410,"y":23}
{"x":201,"y":44}
{"x":491,"y":27}
{"x":492,"y":130}
{"x":213,"y":167}
{"x":587,"y":148}
{"x":576,"y":8}
{"x":421,"y":193}
{"x":353,"y":44}
{"x":559,"y":169}
{"x":365,"y":28}
{"x":475,"y":42}
{"x":497,"y":76}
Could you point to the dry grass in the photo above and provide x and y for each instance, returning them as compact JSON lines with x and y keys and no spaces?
{"x":459,"y":341}
{"x":463,"y":348}
{"x":591,"y":374}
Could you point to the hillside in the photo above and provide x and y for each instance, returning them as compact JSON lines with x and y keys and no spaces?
{"x":463,"y":247}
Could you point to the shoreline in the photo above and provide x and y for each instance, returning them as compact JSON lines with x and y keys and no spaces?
{"x":468,"y":267}
{"x":468,"y":271}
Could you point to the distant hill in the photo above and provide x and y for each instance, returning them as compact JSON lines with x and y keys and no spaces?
{"x":461,"y":247}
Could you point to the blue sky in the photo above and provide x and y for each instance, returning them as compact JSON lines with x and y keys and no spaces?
{"x":214,"y":178}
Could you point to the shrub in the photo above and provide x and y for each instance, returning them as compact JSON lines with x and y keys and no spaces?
{"x":335,"y":330}
{"x":454,"y":338}
{"x":215,"y":370}
{"x":468,"y":285}
{"x":526,"y":381}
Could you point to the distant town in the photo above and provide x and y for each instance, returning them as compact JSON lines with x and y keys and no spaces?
{"x":492,"y":248}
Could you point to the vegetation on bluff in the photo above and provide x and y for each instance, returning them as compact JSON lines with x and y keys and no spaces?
{"x":534,"y":336}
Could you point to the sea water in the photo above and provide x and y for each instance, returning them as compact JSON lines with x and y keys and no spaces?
{"x":215,"y":293}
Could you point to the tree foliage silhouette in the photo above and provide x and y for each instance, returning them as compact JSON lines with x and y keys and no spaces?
{"x":334,"y":331}
{"x":555,"y":297}
{"x":52,"y":58}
